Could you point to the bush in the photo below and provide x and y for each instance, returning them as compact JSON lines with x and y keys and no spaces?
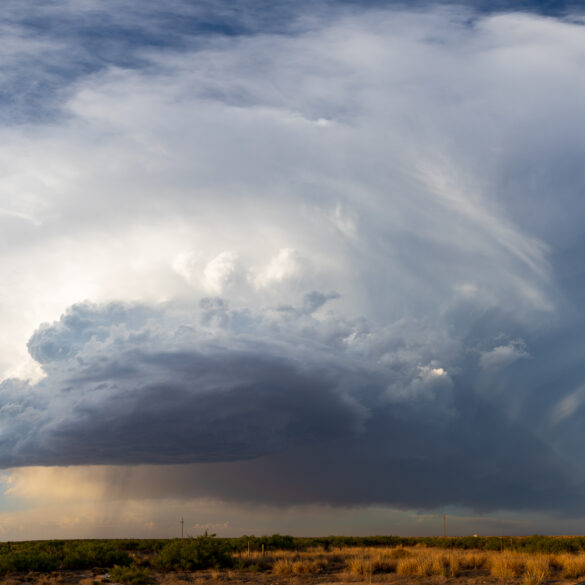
{"x":27,"y":560}
{"x":132,"y":575}
{"x":191,"y":554}
{"x":85,"y":555}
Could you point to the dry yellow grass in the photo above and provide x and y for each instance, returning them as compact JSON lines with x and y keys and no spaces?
{"x":507,"y":565}
{"x":413,"y":565}
{"x":472,"y":560}
{"x":453,"y":565}
{"x":415,"y":562}
{"x":537,"y":569}
{"x":423,"y":564}
{"x":287,"y":566}
{"x":306,"y":567}
{"x":359,"y":566}
{"x":430,"y":562}
{"x":175,"y":580}
{"x":409,"y":566}
{"x":54,"y":579}
{"x":363,"y":563}
{"x":282,"y":567}
{"x":571,"y":566}
{"x":419,"y":565}
{"x":384,"y":561}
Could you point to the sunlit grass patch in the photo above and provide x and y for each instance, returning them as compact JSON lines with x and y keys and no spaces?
{"x":473,"y":560}
{"x":537,"y":570}
{"x":507,"y":565}
{"x":572,"y":566}
{"x":359,"y":566}
{"x":288,"y":566}
{"x":420,"y":565}
{"x":369,"y":562}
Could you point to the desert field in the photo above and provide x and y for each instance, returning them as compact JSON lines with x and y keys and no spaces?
{"x":209,"y":561}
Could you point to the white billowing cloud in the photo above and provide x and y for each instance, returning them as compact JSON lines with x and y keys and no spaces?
{"x":429,"y":383}
{"x":160,"y":177}
{"x":429,"y":373}
{"x":503,"y":355}
{"x":429,"y":380}
{"x":285,"y":265}
{"x":220,"y":272}
{"x":188,"y":265}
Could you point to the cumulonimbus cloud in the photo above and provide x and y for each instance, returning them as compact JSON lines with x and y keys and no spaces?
{"x":271,"y":393}
{"x":372,"y":208}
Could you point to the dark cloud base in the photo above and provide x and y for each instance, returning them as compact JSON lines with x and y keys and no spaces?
{"x":272,"y":410}
{"x":398,"y":461}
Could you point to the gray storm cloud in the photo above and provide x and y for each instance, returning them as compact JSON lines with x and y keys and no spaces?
{"x":132,"y":384}
{"x":381,"y":212}
{"x":294,"y":400}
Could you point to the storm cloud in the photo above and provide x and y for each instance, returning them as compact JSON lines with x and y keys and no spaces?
{"x":297,"y":256}
{"x":294,"y":400}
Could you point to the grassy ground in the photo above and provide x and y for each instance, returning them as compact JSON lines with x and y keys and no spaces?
{"x":399,"y":566}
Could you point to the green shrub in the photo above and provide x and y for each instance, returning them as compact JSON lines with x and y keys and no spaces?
{"x":88,"y":554}
{"x":39,"y":562}
{"x":188,"y":554}
{"x":44,"y":557}
{"x":132,"y":575}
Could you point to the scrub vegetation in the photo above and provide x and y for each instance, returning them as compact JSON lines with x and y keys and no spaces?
{"x":281,"y":559}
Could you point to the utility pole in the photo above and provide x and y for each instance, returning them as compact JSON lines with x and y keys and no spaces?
{"x":444,"y":525}
{"x":182,"y":524}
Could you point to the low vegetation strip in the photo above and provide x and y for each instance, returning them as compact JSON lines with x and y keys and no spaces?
{"x":194,"y":554}
{"x":529,"y":544}
{"x":49,"y":556}
{"x":140,"y":562}
{"x":506,"y":566}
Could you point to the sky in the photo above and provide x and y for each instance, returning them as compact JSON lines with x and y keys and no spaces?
{"x":308,"y":268}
